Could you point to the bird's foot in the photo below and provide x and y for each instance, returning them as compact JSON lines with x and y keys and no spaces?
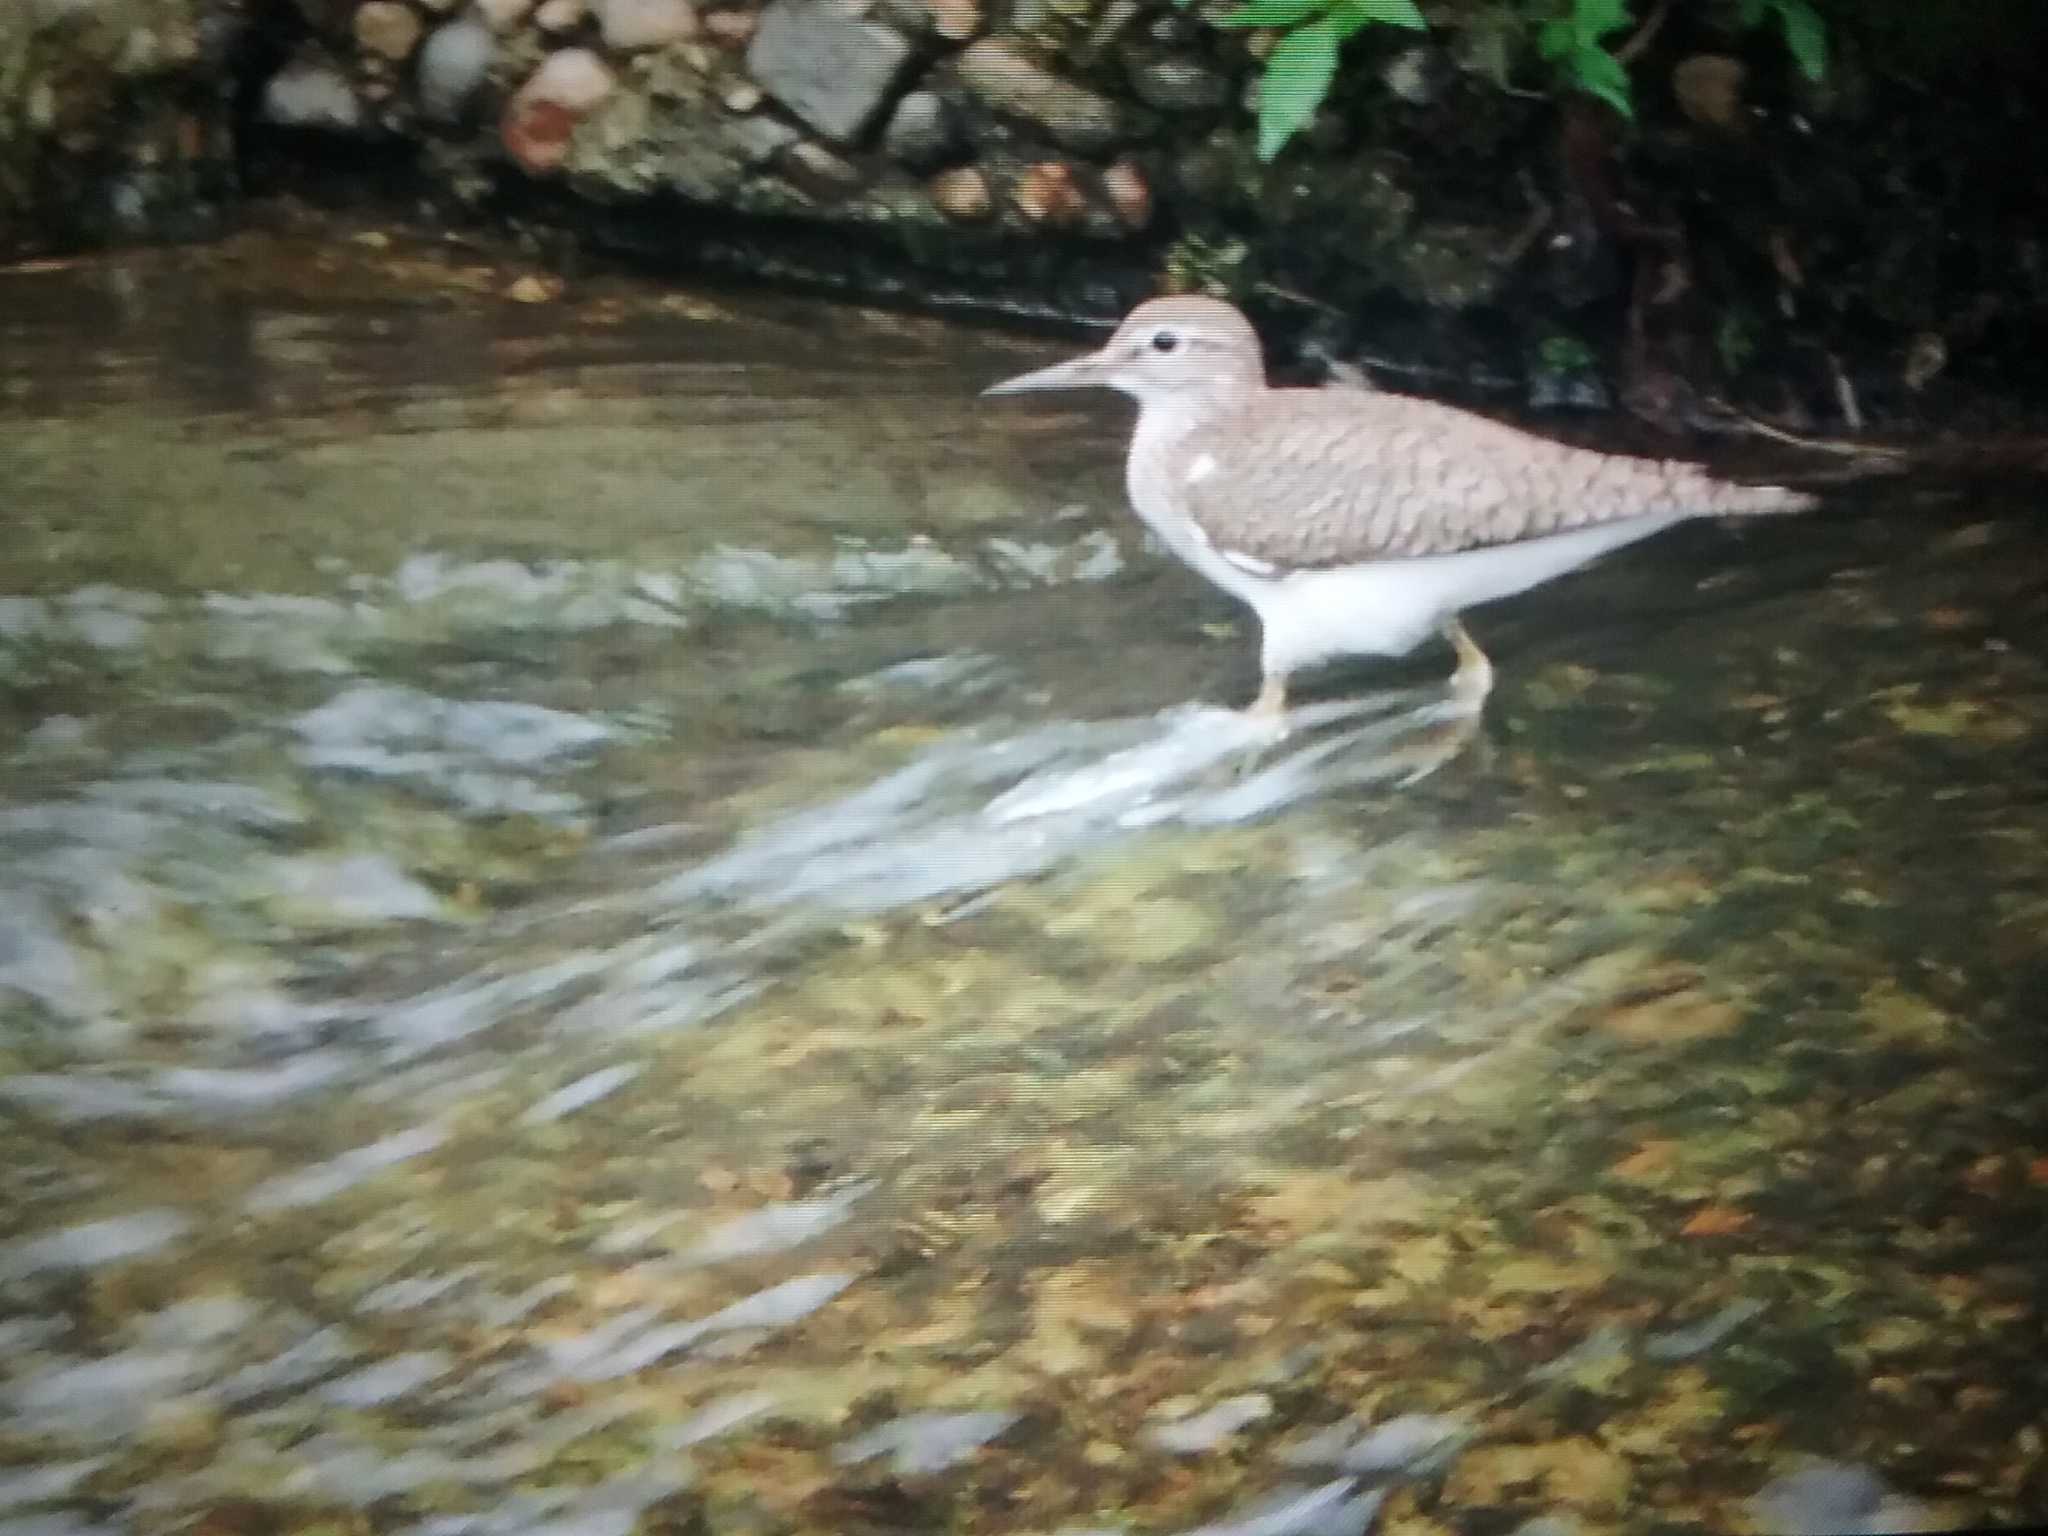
{"x":1442,"y":744}
{"x":1461,"y":712}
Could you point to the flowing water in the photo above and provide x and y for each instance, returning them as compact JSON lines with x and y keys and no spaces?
{"x":635,"y":913}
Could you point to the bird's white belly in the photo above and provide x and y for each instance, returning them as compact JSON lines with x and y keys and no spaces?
{"x":1388,"y":607}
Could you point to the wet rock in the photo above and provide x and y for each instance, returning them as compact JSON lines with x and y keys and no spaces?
{"x":714,"y":1419}
{"x":542,"y":116}
{"x":1330,"y":1509}
{"x":963,"y":194}
{"x":1410,"y":1443}
{"x":38,"y":962}
{"x":1833,"y":1499}
{"x":731,"y":29}
{"x":778,"y":1228}
{"x":510,"y":733}
{"x":580,"y":1094}
{"x":834,"y":70}
{"x":816,"y":170}
{"x":922,"y":130}
{"x":955,"y":20}
{"x":387,"y":29}
{"x":355,"y":889}
{"x":1418,"y":75}
{"x":1049,"y":193}
{"x":1210,"y":1428}
{"x":1173,"y":82}
{"x":533,"y":288}
{"x":503,"y":16}
{"x":323,"y":1181}
{"x":388,"y":1380}
{"x":1012,"y":81}
{"x":107,"y":1398}
{"x":923,"y":1443}
{"x":42,"y":1484}
{"x":454,"y":63}
{"x":1129,"y":194}
{"x":1684,"y":1343}
{"x":630,"y":25}
{"x":312,"y":96}
{"x":93,"y":1243}
{"x":558,"y":18}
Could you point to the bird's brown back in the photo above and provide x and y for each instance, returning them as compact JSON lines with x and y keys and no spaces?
{"x":1305,"y":478}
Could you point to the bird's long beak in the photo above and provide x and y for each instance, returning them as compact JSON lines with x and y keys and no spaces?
{"x":1077,"y":373}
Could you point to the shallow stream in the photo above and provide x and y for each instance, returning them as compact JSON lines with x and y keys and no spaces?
{"x":634,"y":913}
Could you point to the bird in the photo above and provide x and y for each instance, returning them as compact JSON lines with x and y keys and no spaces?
{"x":1357,"y":522}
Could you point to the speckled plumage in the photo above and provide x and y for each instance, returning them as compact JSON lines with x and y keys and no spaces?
{"x":1356,"y":522}
{"x":1303,"y":479}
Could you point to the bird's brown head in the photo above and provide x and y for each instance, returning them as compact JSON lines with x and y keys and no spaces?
{"x":1166,"y":351}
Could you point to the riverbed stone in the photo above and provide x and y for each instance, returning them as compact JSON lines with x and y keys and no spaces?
{"x":455,"y":61}
{"x":962,"y":194}
{"x":1012,"y":80}
{"x":541,"y":118}
{"x":387,"y":30}
{"x":922,"y":130}
{"x":832,"y":68}
{"x":631,"y":25}
{"x":1174,"y":82}
{"x":312,"y":95}
{"x":730,"y":29}
{"x":1050,"y":194}
{"x":1129,"y":193}
{"x":503,"y":16}
{"x":817,"y":170}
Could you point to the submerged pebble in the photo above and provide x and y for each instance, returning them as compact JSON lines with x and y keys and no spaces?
{"x":323,"y":1181}
{"x":1328,"y":1509}
{"x":922,"y":1443}
{"x":94,"y":1243}
{"x":1834,"y":1498}
{"x":777,"y":1228}
{"x":1208,"y":1429}
{"x":581,"y":1093}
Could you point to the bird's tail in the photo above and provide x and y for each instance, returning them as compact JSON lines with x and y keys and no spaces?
{"x":1733,"y":500}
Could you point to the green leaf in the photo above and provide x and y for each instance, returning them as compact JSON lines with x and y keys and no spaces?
{"x":1352,"y":16}
{"x":1556,"y":40}
{"x":1594,"y":19}
{"x":1273,"y":13}
{"x":1599,"y":73}
{"x":1805,"y":36}
{"x":1297,"y":78}
{"x":1750,"y":12}
{"x":1391,"y":13}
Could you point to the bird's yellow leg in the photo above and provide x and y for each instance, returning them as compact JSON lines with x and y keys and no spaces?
{"x":1271,"y":704}
{"x":1473,"y":680}
{"x":1470,"y":685}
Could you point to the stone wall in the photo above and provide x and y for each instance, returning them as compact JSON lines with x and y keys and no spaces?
{"x":1814,"y":248}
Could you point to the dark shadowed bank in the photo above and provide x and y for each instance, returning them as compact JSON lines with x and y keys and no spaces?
{"x":1862,"y":249}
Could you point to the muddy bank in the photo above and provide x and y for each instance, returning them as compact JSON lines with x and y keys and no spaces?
{"x":1854,"y":250}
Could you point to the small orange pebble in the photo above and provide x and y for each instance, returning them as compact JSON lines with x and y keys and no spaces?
{"x":1715,"y":1221}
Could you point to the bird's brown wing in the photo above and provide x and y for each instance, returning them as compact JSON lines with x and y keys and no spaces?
{"x":1315,"y":478}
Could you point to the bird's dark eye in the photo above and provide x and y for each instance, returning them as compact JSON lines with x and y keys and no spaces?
{"x":1165,"y":341}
